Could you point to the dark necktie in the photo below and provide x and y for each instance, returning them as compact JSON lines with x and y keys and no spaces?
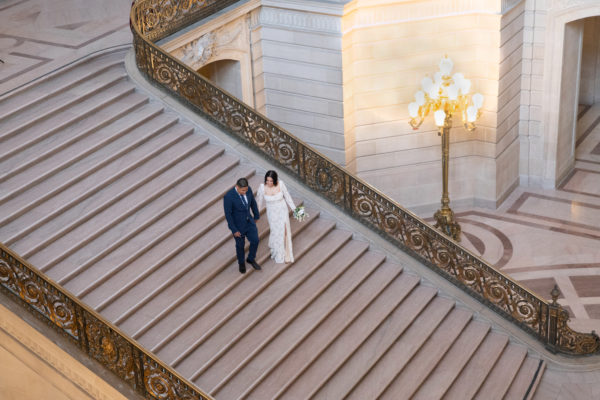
{"x":244,"y":201}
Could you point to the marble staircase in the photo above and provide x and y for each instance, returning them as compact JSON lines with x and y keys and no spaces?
{"x":119,"y":200}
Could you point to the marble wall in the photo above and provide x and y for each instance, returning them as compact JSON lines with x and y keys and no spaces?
{"x":553,"y":29}
{"x":388,"y":48}
{"x":298,"y":70}
{"x":290,"y":63}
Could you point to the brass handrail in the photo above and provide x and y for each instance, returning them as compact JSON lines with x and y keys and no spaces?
{"x":153,"y":20}
{"x":95,"y":336}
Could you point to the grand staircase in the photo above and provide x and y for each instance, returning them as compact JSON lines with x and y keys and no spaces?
{"x":118,"y":200}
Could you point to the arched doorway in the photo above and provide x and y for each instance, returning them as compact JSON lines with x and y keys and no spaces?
{"x":563,"y":62}
{"x":588,"y":116}
{"x":226,"y":74}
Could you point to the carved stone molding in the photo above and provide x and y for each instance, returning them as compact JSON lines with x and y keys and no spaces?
{"x":359,"y":15}
{"x":199,"y":51}
{"x":508,"y":5}
{"x":208,"y":47}
{"x":291,"y":19}
{"x":565,"y":4}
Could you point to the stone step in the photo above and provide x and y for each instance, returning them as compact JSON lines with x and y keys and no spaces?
{"x":44,"y":89}
{"x":450,"y":366}
{"x":218,"y":309}
{"x":83,"y":134}
{"x":399,"y":354}
{"x":501,"y":376}
{"x":64,"y":107}
{"x":526,"y":380}
{"x":478,"y":367}
{"x":355,"y":289}
{"x":164,"y":150}
{"x":170,"y":233}
{"x":201,"y":347}
{"x":360,"y":361}
{"x":119,"y":157}
{"x":344,"y":334}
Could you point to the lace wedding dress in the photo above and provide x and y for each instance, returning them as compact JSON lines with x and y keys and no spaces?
{"x":280,"y":239}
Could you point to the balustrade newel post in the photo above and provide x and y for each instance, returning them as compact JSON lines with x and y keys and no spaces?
{"x":554,"y":310}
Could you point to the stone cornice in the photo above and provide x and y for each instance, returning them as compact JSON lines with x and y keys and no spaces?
{"x":363,"y":14}
{"x":312,"y":6}
{"x":566,"y":4}
{"x":292,"y":19}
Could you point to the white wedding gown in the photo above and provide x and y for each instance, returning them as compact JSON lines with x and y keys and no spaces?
{"x":280,"y":239}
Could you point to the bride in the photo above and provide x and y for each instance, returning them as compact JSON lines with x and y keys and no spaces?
{"x":275,"y":194}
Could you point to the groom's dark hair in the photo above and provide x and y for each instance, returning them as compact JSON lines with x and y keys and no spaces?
{"x":242,"y":182}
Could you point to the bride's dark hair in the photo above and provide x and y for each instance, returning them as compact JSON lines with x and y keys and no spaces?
{"x":273,"y":175}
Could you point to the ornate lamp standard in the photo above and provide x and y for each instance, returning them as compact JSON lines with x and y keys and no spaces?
{"x":446,"y":96}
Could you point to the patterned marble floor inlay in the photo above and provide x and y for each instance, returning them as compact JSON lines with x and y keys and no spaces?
{"x":544,"y":238}
{"x":38,"y":36}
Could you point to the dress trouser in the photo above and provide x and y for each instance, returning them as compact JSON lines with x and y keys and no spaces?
{"x":240,"y":242}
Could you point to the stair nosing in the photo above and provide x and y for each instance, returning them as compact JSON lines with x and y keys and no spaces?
{"x":117,"y":220}
{"x":18,"y":213}
{"x":213,"y":300}
{"x":86,"y":96}
{"x":83,"y":292}
{"x":73,"y":139}
{"x":289,"y":321}
{"x":327,"y":345}
{"x":96,"y":167}
{"x":66,"y":86}
{"x":40,"y":178}
{"x":208,"y":334}
{"x":122,"y":240}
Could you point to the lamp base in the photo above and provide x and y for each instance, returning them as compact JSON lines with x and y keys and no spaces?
{"x":444,"y":221}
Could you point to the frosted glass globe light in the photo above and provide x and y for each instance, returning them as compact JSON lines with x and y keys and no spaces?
{"x":477,"y":100}
{"x":438,"y":78}
{"x":457,"y":78}
{"x":452,"y":91}
{"x":446,"y":65}
{"x":465,"y":86}
{"x":434,"y":92}
{"x":439,"y":116}
{"x":426,"y":83}
{"x":471,"y":113}
{"x":413,"y":110}
{"x":420,"y":98}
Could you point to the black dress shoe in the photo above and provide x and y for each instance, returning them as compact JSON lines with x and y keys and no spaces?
{"x":243,"y":268}
{"x":254,"y":265}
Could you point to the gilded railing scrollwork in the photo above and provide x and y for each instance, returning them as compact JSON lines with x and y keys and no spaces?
{"x":153,"y":20}
{"x":98,"y":338}
{"x":45,"y":299}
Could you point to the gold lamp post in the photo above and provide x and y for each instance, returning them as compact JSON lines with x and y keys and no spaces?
{"x":446,"y":96}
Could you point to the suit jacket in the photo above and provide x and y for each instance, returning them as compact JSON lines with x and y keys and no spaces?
{"x":237,"y":215}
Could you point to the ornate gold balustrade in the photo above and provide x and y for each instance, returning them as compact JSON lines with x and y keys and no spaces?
{"x":152,"y":20}
{"x":95,"y":336}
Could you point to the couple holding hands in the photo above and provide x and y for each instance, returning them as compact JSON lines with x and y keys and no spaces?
{"x":241,"y":212}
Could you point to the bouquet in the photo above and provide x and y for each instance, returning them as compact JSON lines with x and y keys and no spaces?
{"x":300,"y":214}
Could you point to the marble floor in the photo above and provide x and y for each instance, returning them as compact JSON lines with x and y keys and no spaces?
{"x":547,"y":237}
{"x":539,"y":237}
{"x":39,"y":36}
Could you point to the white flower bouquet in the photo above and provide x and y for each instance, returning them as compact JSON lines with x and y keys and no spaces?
{"x":300,"y":214}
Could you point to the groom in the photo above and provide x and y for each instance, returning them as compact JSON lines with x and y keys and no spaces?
{"x":237,"y":204}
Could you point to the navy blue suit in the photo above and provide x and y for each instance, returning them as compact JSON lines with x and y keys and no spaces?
{"x":240,"y":219}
